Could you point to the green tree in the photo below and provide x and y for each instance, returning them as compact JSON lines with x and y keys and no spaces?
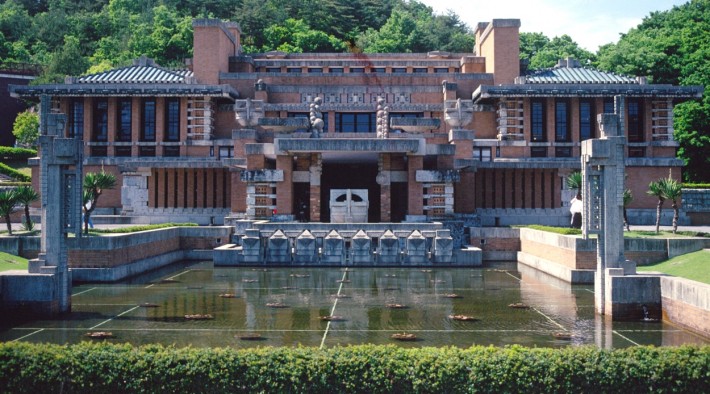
{"x":94,"y":185}
{"x":656,"y":189}
{"x":545,"y":55}
{"x":574,"y":181}
{"x":295,"y":36}
{"x":26,"y":195}
{"x":7,"y":207}
{"x":672,"y":191}
{"x":26,"y":128}
{"x":672,"y":47}
{"x":68,"y":60}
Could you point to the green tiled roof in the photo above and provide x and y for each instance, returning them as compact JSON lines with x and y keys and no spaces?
{"x":570,"y":71}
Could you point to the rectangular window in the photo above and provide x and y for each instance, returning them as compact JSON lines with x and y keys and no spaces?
{"x":399,"y":70}
{"x":148,"y":118}
{"x":360,"y":122}
{"x":99,"y":151}
{"x":172,"y":119}
{"x":315,"y":70}
{"x":146,"y":151}
{"x":563,"y":151}
{"x":635,"y":111}
{"x":294,"y":70}
{"x":609,"y":105}
{"x":441,"y":70}
{"x":537,"y":121}
{"x":171,"y":151}
{"x":586,"y":120}
{"x":122,"y":151}
{"x":377,"y":70}
{"x":335,"y":70}
{"x":482,"y":153}
{"x":306,"y":115}
{"x":273,"y":69}
{"x":76,"y":121}
{"x":637,"y":151}
{"x":100,"y":120}
{"x":420,"y":70}
{"x":562,"y":132}
{"x":226,"y":151}
{"x":357,"y":70}
{"x":123,"y":120}
{"x":538,"y":151}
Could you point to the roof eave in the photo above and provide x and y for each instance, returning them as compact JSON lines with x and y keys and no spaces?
{"x":118,"y":90}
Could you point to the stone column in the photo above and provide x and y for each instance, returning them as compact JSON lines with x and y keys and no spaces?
{"x":316,"y":170}
{"x":603,"y":177}
{"x":385,"y":182}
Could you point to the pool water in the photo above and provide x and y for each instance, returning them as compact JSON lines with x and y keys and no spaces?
{"x":152,"y":309}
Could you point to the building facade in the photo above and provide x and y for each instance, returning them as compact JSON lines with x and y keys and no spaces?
{"x":358,"y":137}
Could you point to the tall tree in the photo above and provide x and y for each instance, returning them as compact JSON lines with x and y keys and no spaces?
{"x":8,"y":201}
{"x":94,"y":185}
{"x":672,"y":190}
{"x":26,"y":195}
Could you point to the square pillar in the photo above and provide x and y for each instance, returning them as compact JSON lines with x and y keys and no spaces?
{"x":415,"y":189}
{"x":284,"y":189}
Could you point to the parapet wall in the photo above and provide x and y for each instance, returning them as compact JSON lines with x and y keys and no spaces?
{"x":686,"y":303}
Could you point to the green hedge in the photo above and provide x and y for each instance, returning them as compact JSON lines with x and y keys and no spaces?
{"x":8,"y":153}
{"x":100,"y":367}
{"x":696,"y":186}
{"x":556,"y":230}
{"x":137,"y":228}
{"x":13,"y":173}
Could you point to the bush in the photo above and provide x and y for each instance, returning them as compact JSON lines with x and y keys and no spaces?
{"x":13,"y":173}
{"x":135,"y":229}
{"x":8,"y":153}
{"x":102,"y":367}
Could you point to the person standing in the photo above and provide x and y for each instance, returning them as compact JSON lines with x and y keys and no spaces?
{"x":575,"y":209}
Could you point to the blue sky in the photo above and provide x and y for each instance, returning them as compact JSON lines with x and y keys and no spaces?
{"x":590,"y":23}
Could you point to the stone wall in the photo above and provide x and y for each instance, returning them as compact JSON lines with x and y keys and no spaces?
{"x":686,"y":303}
{"x":497,"y":243}
{"x":696,"y":205}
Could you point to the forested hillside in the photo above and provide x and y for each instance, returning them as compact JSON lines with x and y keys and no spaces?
{"x":73,"y":37}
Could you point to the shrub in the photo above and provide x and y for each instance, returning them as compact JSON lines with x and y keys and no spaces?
{"x":13,"y":173}
{"x":102,"y":367}
{"x":8,"y":153}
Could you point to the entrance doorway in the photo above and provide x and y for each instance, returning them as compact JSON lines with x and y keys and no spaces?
{"x":302,"y":201}
{"x":350,"y":176}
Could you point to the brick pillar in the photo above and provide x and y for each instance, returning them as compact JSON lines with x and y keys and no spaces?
{"x":384,"y":180}
{"x":316,"y":170}
{"x":239,"y":193}
{"x":415,"y":191}
{"x":284,"y":190}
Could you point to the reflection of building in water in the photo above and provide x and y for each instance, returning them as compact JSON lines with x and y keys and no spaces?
{"x":251,"y":135}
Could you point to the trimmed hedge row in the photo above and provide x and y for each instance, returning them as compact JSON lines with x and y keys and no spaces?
{"x":13,"y":173}
{"x":101,"y":367}
{"x":10,"y":153}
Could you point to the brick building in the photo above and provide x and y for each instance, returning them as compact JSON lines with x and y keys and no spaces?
{"x":395,"y":137}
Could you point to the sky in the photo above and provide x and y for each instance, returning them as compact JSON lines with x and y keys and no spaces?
{"x":590,"y":23}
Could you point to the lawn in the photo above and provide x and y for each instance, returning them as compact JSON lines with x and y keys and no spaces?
{"x":11,"y":262}
{"x":21,"y":166}
{"x":694,"y":266}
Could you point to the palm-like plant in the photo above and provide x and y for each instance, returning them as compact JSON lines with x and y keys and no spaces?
{"x":8,"y":200}
{"x":94,"y":185}
{"x":655,"y":188}
{"x":672,"y":190}
{"x":574,"y":181}
{"x":25,"y":196}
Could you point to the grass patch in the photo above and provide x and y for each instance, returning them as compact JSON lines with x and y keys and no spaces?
{"x":10,"y":262}
{"x":135,"y":229}
{"x":556,"y":230}
{"x":693,"y":266}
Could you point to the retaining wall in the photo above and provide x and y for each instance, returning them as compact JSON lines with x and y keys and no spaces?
{"x":686,"y":303}
{"x":497,"y":243}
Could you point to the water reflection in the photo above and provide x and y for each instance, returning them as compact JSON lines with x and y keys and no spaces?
{"x":152,"y":309}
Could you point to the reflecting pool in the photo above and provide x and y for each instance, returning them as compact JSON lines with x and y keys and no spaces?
{"x":285,"y":306}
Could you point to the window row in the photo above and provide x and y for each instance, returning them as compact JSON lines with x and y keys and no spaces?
{"x":125,"y":111}
{"x":587,"y":119}
{"x":355,"y":122}
{"x":359,"y":70}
